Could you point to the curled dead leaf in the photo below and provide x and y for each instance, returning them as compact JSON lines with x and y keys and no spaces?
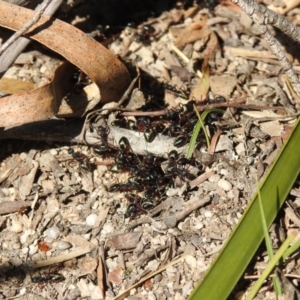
{"x":38,"y":104}
{"x":101,"y":65}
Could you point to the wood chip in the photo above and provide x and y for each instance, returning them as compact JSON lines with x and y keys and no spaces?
{"x":124,"y":241}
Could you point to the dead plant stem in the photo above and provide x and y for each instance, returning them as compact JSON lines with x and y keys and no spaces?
{"x":26,"y":26}
{"x":8,"y":56}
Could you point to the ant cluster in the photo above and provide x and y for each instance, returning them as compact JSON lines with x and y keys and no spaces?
{"x":147,"y":177}
{"x":178,"y":123}
{"x":148,"y":182}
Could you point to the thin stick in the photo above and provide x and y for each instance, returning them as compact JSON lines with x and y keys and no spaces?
{"x":8,"y":57}
{"x":202,"y":108}
{"x":26,"y":26}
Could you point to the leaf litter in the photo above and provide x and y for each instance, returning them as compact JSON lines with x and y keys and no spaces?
{"x":51,"y":196}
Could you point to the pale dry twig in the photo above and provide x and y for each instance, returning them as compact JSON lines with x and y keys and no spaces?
{"x":10,"y":52}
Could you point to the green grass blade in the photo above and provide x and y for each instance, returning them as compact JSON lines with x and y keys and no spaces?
{"x":265,"y":227}
{"x":197,"y":129}
{"x":200,"y":118}
{"x":193,"y":139}
{"x":268,"y":242}
{"x":273,"y":262}
{"x":248,"y":234}
{"x":291,"y":250}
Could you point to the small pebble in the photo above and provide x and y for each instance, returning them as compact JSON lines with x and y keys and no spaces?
{"x":191,"y":261}
{"x":25,"y":235}
{"x":91,"y":220}
{"x":240,"y":149}
{"x":16,"y":246}
{"x":53,"y":152}
{"x":16,"y":226}
{"x":225,"y":185}
{"x":61,"y":245}
{"x":224,"y":172}
{"x":25,"y":250}
{"x":208,"y":214}
{"x":52,"y":233}
{"x":214,"y":178}
{"x":33,"y":249}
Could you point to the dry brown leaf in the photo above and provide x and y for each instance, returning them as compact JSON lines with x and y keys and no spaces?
{"x":222,"y":85}
{"x":86,"y":265}
{"x":191,"y":11}
{"x":38,"y":104}
{"x":231,"y":6}
{"x":212,"y":44}
{"x":192,"y":33}
{"x":77,"y":104}
{"x":124,"y":240}
{"x":26,"y":181}
{"x":116,"y":275}
{"x":15,"y":86}
{"x":201,"y":90}
{"x":92,"y":58}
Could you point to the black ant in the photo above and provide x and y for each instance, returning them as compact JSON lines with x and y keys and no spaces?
{"x":144,"y":125}
{"x":175,"y":91}
{"x":172,"y":159}
{"x":81,"y":159}
{"x":150,"y":134}
{"x":174,"y":113}
{"x":122,"y":122}
{"x":137,"y":206}
{"x":79,"y":79}
{"x":173,"y":168}
{"x":118,"y":187}
{"x":217,"y":99}
{"x":145,"y":34}
{"x":51,"y":277}
{"x":105,"y":148}
{"x":126,"y":156}
{"x":181,"y":140}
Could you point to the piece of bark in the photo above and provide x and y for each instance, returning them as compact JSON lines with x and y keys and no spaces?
{"x":124,"y":241}
{"x":8,"y":207}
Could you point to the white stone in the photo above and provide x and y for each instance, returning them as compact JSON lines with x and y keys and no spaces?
{"x":33,"y":249}
{"x":208,"y":214}
{"x":91,"y":220}
{"x":52,"y":233}
{"x":62,"y":245}
{"x":225,"y":185}
{"x":240,"y":148}
{"x":16,"y":226}
{"x":24,"y":236}
{"x":53,"y":152}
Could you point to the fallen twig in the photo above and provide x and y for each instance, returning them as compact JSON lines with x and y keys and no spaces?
{"x":9,"y":55}
{"x":26,"y":26}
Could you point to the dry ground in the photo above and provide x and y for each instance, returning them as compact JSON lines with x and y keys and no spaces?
{"x":73,"y":240}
